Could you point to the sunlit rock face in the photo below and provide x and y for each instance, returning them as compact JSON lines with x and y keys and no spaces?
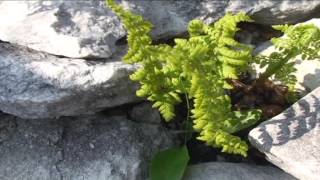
{"x":291,"y":139}
{"x":81,"y":29}
{"x":39,"y":85}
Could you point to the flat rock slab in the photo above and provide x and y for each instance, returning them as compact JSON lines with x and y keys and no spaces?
{"x":234,"y":171}
{"x":88,"y":29}
{"x":38,"y":85}
{"x":81,"y":148}
{"x":291,"y":139}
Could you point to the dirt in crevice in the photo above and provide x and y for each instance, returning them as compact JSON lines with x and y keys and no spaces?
{"x":248,"y":94}
{"x":265,"y":95}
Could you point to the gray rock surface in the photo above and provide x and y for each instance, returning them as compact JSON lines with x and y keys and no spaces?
{"x":291,"y":139}
{"x":234,"y":171}
{"x":38,"y":85}
{"x":28,"y":149}
{"x":80,"y":148}
{"x":88,"y":29}
{"x":277,"y":12}
{"x":143,"y":112}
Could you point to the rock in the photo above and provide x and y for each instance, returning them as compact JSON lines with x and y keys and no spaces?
{"x":110,"y":148}
{"x":29,"y":149}
{"x":72,"y":28}
{"x":89,"y":147}
{"x":87,"y":28}
{"x":308,"y":71}
{"x":234,"y":171}
{"x":144,"y":112}
{"x":39,"y":85}
{"x":277,"y":12}
{"x":81,"y":29}
{"x":291,"y":139}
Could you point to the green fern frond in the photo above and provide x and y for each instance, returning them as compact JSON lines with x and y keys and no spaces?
{"x":198,"y":66}
{"x":303,"y":39}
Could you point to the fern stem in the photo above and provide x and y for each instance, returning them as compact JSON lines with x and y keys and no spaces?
{"x":188,"y":110}
{"x":187,"y":121}
{"x":272,"y":69}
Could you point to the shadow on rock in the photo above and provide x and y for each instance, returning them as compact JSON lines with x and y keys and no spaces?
{"x":292,"y":124}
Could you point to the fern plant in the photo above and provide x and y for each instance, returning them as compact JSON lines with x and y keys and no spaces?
{"x":202,"y":66}
{"x":301,"y":40}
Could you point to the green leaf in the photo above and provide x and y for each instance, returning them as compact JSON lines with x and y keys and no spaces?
{"x":169,"y":164}
{"x":242,"y":120}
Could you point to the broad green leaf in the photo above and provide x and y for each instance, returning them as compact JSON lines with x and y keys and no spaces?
{"x":169,"y":164}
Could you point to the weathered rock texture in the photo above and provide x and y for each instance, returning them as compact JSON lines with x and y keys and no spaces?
{"x":28,"y":149}
{"x":82,"y":148}
{"x":88,"y":29}
{"x":277,"y":12}
{"x":234,"y":171}
{"x":291,"y":139}
{"x":68,"y":28}
{"x":38,"y":85}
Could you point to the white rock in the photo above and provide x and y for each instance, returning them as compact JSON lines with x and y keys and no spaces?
{"x":88,"y":29}
{"x":275,"y":11}
{"x":38,"y":85}
{"x":72,"y":29}
{"x":291,"y":139}
{"x":234,"y":171}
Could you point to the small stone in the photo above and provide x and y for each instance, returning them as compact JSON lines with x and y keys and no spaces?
{"x":91,"y":145}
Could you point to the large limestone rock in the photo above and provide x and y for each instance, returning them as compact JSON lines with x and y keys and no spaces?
{"x":88,"y":29}
{"x":291,"y":139}
{"x":234,"y":171}
{"x":81,"y":148}
{"x":70,"y":28}
{"x":38,"y":85}
{"x":277,"y":12}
